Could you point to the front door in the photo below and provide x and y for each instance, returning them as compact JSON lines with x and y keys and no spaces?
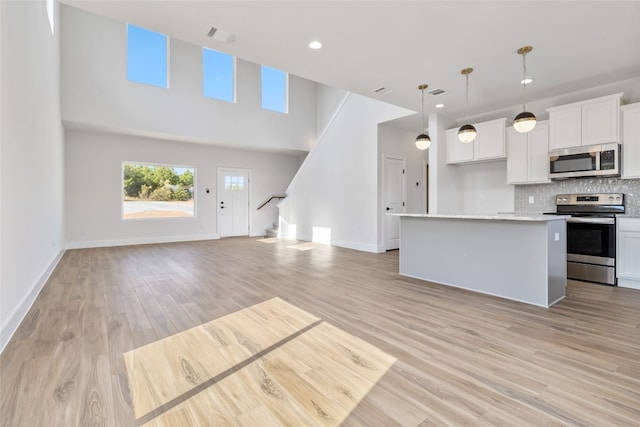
{"x":394,"y":189}
{"x":233,"y":202}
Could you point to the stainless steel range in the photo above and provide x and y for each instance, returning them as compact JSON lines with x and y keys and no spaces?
{"x":591,"y":235}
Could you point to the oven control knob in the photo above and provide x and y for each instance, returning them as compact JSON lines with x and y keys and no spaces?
{"x":611,"y":199}
{"x":618,"y":198}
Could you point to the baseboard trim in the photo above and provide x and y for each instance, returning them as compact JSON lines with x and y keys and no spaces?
{"x":11,"y":325}
{"x":364,"y":247}
{"x":139,"y":241}
{"x":623,"y":282}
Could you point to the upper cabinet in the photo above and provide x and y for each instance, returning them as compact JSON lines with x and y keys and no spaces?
{"x":631,"y":141}
{"x":596,"y":121}
{"x":528,"y":155}
{"x":488,"y":145}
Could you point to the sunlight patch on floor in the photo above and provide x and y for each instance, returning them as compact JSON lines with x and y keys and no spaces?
{"x":303,"y":246}
{"x":269,"y":364}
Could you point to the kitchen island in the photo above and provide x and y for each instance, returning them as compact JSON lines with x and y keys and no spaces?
{"x":522,"y":258}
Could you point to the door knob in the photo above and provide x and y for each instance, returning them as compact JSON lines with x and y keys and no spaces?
{"x":388,"y":208}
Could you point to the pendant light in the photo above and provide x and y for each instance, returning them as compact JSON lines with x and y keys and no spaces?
{"x":525,"y":121}
{"x":467,"y":132}
{"x":423,"y":141}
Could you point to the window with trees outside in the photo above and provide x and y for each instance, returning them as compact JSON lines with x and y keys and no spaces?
{"x":157,"y":191}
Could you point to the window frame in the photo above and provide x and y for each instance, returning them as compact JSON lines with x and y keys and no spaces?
{"x":286,"y":90}
{"x":167,"y":57}
{"x":234,"y":74}
{"x":152,"y":164}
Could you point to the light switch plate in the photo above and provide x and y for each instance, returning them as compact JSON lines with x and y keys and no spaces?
{"x":557,"y":236}
{"x":531,"y":200}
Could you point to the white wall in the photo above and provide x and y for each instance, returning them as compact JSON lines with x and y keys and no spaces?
{"x":96,"y":93}
{"x":485,"y":188}
{"x":445,"y":186}
{"x":32,"y":156}
{"x":328,"y":103}
{"x":94,"y":187}
{"x":336,"y":188}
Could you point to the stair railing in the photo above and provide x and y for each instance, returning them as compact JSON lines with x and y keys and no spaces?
{"x":267,"y":202}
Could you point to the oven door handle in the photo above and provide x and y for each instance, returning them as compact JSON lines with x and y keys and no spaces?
{"x":608,"y":221}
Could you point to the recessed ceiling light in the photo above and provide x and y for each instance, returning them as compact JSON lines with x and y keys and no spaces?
{"x":439,"y":105}
{"x":526,"y":81}
{"x":315,"y":44}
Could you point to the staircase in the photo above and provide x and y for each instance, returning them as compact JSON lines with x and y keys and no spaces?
{"x":273,"y":232}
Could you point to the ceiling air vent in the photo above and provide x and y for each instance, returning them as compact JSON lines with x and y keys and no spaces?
{"x":437,"y":92}
{"x":383,"y":90}
{"x":221,"y":35}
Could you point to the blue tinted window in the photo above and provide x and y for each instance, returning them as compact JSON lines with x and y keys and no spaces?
{"x":274,"y":89}
{"x":218,"y":72}
{"x":146,"y":56}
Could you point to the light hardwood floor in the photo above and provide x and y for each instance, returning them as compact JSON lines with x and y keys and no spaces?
{"x":462,"y":358}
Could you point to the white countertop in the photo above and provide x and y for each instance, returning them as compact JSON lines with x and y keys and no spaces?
{"x":498,"y":217}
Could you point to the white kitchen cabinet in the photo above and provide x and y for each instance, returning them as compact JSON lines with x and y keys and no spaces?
{"x":528,"y":155}
{"x":565,"y":128}
{"x":631,"y":141}
{"x":628,"y":252}
{"x":488,"y":145}
{"x":458,"y":151}
{"x":595,"y":121}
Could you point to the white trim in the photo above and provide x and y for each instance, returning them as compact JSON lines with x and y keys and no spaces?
{"x":385,"y":220}
{"x":628,"y":283}
{"x":139,"y":241}
{"x":17,"y":316}
{"x":358,"y":246}
{"x":218,"y":190}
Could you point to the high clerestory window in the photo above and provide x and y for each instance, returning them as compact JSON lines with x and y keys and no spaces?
{"x":218,"y":75}
{"x":147,"y":53}
{"x":275,"y":90}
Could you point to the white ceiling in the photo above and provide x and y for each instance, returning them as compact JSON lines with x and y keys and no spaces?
{"x":399,"y":45}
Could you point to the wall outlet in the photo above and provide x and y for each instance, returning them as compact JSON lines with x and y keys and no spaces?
{"x":531,"y":200}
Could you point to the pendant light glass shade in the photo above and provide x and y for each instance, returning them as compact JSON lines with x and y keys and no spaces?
{"x":525,"y":121}
{"x":467,"y":133}
{"x":423,"y":141}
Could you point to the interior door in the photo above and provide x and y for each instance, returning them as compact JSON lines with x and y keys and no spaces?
{"x":394,"y":189}
{"x":233,"y":202}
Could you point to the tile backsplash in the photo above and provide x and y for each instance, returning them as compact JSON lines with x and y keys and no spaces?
{"x":544,"y":194}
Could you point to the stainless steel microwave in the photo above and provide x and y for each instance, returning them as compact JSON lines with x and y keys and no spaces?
{"x":594,"y":160}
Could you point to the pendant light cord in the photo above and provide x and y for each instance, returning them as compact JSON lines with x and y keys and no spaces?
{"x":466,"y":96}
{"x":422,"y":115}
{"x":524,"y":84}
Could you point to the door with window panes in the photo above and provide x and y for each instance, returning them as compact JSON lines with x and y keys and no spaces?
{"x":233,"y":202}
